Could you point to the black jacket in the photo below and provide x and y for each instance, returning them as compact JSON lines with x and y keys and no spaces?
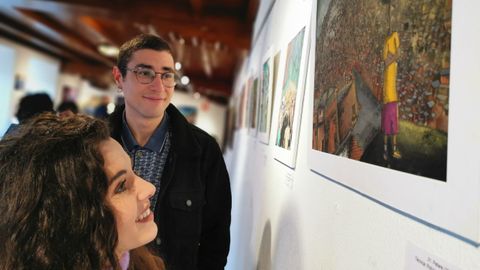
{"x":194,"y":203}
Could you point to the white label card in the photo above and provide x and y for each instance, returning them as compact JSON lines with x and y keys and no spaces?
{"x":419,"y":259}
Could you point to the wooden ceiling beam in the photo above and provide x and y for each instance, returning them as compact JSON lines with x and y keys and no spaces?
{"x":39,"y":38}
{"x":163,"y":16}
{"x":252,"y":10}
{"x":224,"y":35}
{"x":30,"y":36}
{"x":197,"y":6}
{"x":209,"y":36}
{"x":99,"y":76}
{"x":74,"y":41}
{"x":13,"y":34}
{"x":235,"y":37}
{"x":208,"y":86}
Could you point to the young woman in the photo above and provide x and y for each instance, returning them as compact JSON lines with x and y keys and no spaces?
{"x":70,"y":200}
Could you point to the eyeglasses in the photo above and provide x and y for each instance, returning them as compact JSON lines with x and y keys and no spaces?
{"x":147,"y":75}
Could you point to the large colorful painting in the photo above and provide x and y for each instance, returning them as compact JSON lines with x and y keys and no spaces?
{"x":381,"y":85}
{"x":394,"y":80}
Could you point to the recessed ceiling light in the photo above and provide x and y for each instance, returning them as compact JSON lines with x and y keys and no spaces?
{"x":108,"y":50}
{"x":194,"y":41}
{"x":184,"y":80}
{"x":110,"y":108}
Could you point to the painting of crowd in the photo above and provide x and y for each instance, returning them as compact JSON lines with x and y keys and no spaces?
{"x":396,"y":46}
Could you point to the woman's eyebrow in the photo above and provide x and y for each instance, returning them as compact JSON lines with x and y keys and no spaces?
{"x":117,"y":175}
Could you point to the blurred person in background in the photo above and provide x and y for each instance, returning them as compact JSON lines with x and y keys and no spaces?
{"x":101,"y":111}
{"x":67,"y":108}
{"x":31,"y":105}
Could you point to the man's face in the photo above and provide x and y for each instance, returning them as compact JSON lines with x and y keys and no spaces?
{"x":146,"y":101}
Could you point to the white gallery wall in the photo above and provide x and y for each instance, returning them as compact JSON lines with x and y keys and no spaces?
{"x":7,"y":54}
{"x":36,"y":71}
{"x":294,"y":218}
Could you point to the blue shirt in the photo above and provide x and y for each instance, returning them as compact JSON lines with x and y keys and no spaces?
{"x":149,"y":160}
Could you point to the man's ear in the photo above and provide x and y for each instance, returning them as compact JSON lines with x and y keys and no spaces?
{"x":117,"y":76}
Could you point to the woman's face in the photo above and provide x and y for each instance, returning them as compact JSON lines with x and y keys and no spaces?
{"x":128,"y":196}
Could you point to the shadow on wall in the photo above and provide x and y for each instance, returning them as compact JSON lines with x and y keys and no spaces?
{"x":242,"y":226}
{"x":288,"y":242}
{"x":245,"y":184}
{"x":265,"y":252}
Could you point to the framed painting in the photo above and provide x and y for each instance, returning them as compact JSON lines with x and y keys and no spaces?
{"x":242,"y":107}
{"x":290,"y":99}
{"x":388,"y":105}
{"x":266,"y":98}
{"x":248,"y":101}
{"x":253,"y":106}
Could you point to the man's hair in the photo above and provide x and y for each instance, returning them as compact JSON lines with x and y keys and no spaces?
{"x":53,"y":210}
{"x":142,"y":41}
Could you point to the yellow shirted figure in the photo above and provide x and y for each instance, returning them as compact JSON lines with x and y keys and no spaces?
{"x":391,"y":53}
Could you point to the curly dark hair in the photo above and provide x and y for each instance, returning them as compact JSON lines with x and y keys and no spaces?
{"x":53,"y":211}
{"x":142,"y":41}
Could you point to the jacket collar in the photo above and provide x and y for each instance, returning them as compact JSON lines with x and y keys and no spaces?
{"x":184,"y":143}
{"x":154,"y":143}
{"x":183,"y":140}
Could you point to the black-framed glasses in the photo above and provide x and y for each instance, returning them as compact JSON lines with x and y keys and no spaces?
{"x":147,"y":75}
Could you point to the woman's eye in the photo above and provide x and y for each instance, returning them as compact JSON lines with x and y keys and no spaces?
{"x":121,"y":187}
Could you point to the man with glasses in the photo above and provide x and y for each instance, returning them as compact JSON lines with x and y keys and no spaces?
{"x":192,"y":201}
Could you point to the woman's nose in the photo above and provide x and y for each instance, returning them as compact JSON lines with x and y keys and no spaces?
{"x":145,"y":189}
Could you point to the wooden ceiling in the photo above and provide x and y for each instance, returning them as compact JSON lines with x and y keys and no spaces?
{"x":210,"y":38}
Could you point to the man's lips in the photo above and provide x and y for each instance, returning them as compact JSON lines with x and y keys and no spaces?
{"x":153,"y":98}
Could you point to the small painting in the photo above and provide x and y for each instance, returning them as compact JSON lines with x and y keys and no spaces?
{"x":290,"y":86}
{"x":265,"y":101}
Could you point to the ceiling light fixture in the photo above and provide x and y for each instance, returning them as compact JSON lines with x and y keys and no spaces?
{"x":108,"y":50}
{"x":178,"y":65}
{"x":217,"y":45}
{"x":184,"y":80}
{"x":194,"y":41}
{"x":110,"y":107}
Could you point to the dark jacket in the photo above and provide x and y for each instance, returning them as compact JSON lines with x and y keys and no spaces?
{"x":194,"y":203}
